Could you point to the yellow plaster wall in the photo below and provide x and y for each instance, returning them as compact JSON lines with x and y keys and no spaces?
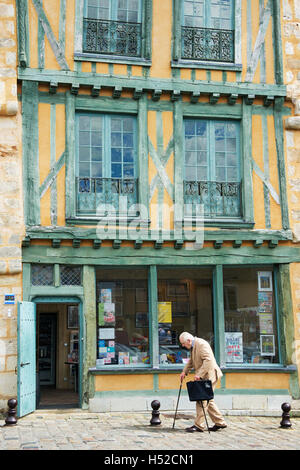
{"x":104,"y":383}
{"x":257,"y":381}
{"x":161,"y":39}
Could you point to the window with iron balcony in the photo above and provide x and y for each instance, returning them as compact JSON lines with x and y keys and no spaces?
{"x":106,"y":174}
{"x":113,"y":27}
{"x":212,"y":175}
{"x":207,"y":30}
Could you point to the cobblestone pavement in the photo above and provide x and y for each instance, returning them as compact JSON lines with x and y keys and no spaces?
{"x":79,"y":430}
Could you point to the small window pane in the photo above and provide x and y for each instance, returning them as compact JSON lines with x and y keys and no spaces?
{"x":190,"y":173}
{"x":84,"y":169}
{"x":116,"y":155}
{"x":116,"y":124}
{"x":42,"y":274}
{"x":116,"y":170}
{"x":96,"y":139}
{"x":84,"y":154}
{"x":128,"y":171}
{"x":96,"y":170}
{"x":116,"y":139}
{"x":96,"y":153}
{"x":190,"y":158}
{"x":84,"y":138}
{"x":127,"y":140}
{"x":84,"y":123}
{"x":189,"y":127}
{"x":202,"y":173}
{"x":128,"y":155}
{"x":70,"y":275}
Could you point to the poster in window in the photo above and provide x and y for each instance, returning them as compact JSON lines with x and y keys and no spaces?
{"x":106,"y":314}
{"x":234,"y":347}
{"x":105,"y":295}
{"x":106,"y":333}
{"x":265,"y":281}
{"x":164,"y":312}
{"x":265,"y":323}
{"x":265,"y":302}
{"x":267,"y":345}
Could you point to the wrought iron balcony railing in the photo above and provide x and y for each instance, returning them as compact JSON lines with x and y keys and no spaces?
{"x":112,"y":37}
{"x":207,"y":44}
{"x":219,"y":199}
{"x":92,"y":193}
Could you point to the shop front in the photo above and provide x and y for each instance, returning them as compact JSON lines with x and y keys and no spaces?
{"x":132,"y":306}
{"x":141,"y":312}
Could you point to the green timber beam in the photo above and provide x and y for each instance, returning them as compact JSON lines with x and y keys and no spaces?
{"x":165,"y":85}
{"x":168,"y":256}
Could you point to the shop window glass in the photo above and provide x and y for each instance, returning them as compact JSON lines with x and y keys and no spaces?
{"x":122,"y":317}
{"x":184,"y":304}
{"x":250,"y":316}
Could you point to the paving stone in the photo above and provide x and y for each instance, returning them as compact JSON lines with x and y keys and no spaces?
{"x":132,"y":431}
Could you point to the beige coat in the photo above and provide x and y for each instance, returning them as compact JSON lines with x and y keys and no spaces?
{"x":203,"y":361}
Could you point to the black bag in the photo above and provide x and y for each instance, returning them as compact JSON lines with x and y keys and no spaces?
{"x":199,"y":390}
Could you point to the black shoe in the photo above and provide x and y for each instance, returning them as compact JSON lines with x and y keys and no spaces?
{"x":193,"y":429}
{"x":216,"y":427}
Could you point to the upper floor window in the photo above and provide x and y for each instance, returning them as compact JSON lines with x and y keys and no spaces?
{"x":207,"y":30}
{"x":113,"y":27}
{"x":212,"y":168}
{"x":106,"y":161}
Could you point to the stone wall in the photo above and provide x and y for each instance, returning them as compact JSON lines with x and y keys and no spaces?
{"x":11,"y":205}
{"x":291,"y":54}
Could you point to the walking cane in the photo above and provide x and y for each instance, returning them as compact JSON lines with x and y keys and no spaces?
{"x":205,"y":416}
{"x":177,"y":404}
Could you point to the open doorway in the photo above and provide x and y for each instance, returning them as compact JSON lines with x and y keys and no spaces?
{"x":57,"y":361}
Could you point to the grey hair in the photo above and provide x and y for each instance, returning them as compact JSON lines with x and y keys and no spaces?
{"x":185,"y":336}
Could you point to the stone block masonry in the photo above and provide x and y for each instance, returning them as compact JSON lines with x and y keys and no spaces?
{"x":11,"y":201}
{"x":291,"y":49}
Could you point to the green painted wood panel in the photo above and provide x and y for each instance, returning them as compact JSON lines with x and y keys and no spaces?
{"x":31,"y":177}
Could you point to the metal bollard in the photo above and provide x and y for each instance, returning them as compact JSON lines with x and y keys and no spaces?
{"x":11,"y":419}
{"x":155,"y":421}
{"x":285,"y":421}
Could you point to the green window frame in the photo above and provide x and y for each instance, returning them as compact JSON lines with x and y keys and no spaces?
{"x":137,"y":110}
{"x":117,"y":31}
{"x":212,"y":167}
{"x":202,"y":37}
{"x":106,"y":161}
{"x":220,"y":322}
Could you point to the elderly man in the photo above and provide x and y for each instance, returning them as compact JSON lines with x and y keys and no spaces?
{"x":203,"y":362}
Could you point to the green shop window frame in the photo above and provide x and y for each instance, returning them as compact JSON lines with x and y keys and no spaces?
{"x":146,"y":38}
{"x":280,"y":277}
{"x":177,"y":57}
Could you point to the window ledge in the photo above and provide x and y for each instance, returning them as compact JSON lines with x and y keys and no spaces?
{"x":134,"y":370}
{"x":192,"y":64}
{"x":260,"y":367}
{"x":93,"y":220}
{"x":178,"y":369}
{"x":221,"y":222}
{"x":112,"y":59}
